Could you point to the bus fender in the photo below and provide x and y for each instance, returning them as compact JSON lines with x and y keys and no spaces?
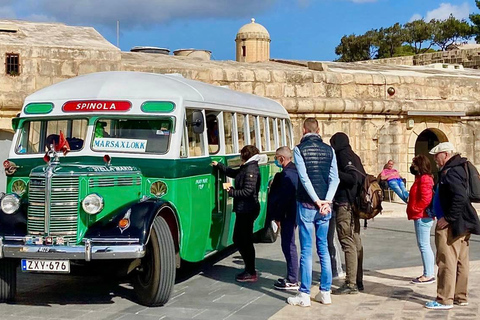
{"x":140,"y":217}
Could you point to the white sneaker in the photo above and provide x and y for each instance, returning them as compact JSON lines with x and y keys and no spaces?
{"x":301,"y":299}
{"x":323,"y":297}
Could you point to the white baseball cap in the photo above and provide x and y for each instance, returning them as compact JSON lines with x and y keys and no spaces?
{"x":443,"y":147}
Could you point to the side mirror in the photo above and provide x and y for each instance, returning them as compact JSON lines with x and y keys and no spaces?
{"x":15,"y":122}
{"x":198,"y":122}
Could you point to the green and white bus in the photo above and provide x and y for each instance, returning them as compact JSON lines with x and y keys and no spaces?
{"x":133,"y":189}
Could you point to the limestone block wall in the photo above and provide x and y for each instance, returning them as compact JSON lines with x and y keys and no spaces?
{"x":469,"y":58}
{"x":43,"y":66}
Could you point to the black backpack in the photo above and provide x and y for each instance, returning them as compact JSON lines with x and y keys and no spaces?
{"x":368,"y":202}
{"x":473,"y":182}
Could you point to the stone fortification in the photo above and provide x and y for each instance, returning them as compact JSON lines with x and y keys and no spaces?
{"x":352,"y":98}
{"x":468,"y":58}
{"x":49,"y":53}
{"x":385,"y":109}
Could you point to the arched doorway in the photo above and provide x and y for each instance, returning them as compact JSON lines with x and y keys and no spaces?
{"x":426,"y":140}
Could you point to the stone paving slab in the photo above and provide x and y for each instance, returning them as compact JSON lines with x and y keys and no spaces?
{"x":389,"y":295}
{"x":208,"y":291}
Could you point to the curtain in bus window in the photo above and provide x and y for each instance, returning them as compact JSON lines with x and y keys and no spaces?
{"x":288,"y":133}
{"x":228,"y":126}
{"x":273,"y":139}
{"x":279,"y":132}
{"x":213,"y":134}
{"x":241,"y":131}
{"x":195,"y":140}
{"x":253,"y":128}
{"x":263,"y":134}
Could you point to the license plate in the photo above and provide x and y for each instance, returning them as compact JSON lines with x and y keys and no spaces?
{"x":46,"y":265}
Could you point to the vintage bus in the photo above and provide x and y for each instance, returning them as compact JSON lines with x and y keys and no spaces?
{"x":114,"y":167}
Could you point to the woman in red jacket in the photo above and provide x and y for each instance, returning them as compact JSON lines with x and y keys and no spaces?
{"x":419,"y":200}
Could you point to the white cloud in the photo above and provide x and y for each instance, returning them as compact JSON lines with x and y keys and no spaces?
{"x":143,"y":13}
{"x":444,"y":11}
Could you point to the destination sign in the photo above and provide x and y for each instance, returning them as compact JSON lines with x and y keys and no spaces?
{"x":116,"y":144}
{"x":96,"y":105}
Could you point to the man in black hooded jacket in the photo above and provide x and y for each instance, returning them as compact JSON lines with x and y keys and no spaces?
{"x":347,"y":223}
{"x":457,"y":219}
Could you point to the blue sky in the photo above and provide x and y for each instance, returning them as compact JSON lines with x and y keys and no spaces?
{"x":299,"y":29}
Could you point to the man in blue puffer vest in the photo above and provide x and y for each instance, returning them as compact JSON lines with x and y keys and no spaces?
{"x":318,"y":181}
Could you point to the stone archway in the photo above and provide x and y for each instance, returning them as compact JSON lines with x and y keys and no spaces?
{"x":424,"y":137}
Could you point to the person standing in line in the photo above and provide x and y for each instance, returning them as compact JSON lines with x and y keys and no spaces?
{"x":348,"y":224}
{"x":282,"y":206}
{"x":421,"y":194}
{"x":394,"y":180}
{"x":246,"y":207}
{"x":456,"y":220}
{"x":318,"y":181}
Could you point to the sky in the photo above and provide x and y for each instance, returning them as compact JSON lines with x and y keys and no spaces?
{"x":299,"y":29}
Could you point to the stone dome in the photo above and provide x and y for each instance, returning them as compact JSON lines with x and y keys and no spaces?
{"x":253,"y":30}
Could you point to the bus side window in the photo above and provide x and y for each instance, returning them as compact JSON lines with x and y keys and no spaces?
{"x":195,"y":140}
{"x":213,"y":134}
{"x":228,"y":128}
{"x":241,"y":131}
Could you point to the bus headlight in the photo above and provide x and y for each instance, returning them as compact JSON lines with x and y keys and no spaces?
{"x":92,"y":204}
{"x":10,"y":203}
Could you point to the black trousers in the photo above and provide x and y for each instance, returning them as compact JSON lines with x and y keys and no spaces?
{"x":243,"y":238}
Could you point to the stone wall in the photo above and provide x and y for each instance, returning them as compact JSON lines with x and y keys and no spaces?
{"x":469,"y":58}
{"x":352,"y":99}
{"x":345,"y":97}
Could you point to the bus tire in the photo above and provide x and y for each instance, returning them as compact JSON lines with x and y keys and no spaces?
{"x":8,"y":280}
{"x":153,"y":282}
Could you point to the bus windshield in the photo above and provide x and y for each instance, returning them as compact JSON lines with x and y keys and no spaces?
{"x":36,"y":136}
{"x":133,"y":135}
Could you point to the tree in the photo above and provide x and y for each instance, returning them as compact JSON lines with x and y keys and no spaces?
{"x":417,"y":33}
{"x":389,"y":39}
{"x":352,"y":48}
{"x":475,"y":18}
{"x":450,"y":31}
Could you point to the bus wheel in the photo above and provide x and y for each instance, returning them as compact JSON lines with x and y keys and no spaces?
{"x":154,"y":280}
{"x":8,"y":280}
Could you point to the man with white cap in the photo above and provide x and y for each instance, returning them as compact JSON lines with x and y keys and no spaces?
{"x":457,"y":219}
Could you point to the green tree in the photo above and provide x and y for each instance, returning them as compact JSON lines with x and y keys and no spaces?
{"x":352,"y":48}
{"x":389,"y":39}
{"x":417,"y":33}
{"x":450,"y":31}
{"x":475,"y":19}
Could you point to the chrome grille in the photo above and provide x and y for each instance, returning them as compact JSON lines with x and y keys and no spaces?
{"x":112,"y":182}
{"x":63,"y":207}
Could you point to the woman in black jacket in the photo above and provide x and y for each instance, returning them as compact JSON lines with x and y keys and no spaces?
{"x":246,"y":207}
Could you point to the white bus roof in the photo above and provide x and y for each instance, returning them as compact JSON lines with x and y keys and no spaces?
{"x":138,"y":87}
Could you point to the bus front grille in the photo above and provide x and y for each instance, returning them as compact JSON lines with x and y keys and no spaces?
{"x":61,"y":211}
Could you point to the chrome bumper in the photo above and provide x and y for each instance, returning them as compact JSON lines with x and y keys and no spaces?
{"x":93,"y":249}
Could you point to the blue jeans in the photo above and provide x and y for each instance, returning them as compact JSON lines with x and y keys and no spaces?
{"x":398,"y":187}
{"x":310,"y":221}
{"x":422,"y":230}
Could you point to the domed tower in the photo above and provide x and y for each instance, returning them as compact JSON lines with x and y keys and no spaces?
{"x":253,"y":43}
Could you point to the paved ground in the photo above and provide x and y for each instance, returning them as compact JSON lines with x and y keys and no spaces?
{"x":208,"y":291}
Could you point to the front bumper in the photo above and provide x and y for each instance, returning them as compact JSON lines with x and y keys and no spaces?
{"x":93,"y":249}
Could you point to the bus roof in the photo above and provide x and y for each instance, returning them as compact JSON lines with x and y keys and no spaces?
{"x":138,"y":87}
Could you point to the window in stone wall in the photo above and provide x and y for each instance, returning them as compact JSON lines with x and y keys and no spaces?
{"x":12,"y":64}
